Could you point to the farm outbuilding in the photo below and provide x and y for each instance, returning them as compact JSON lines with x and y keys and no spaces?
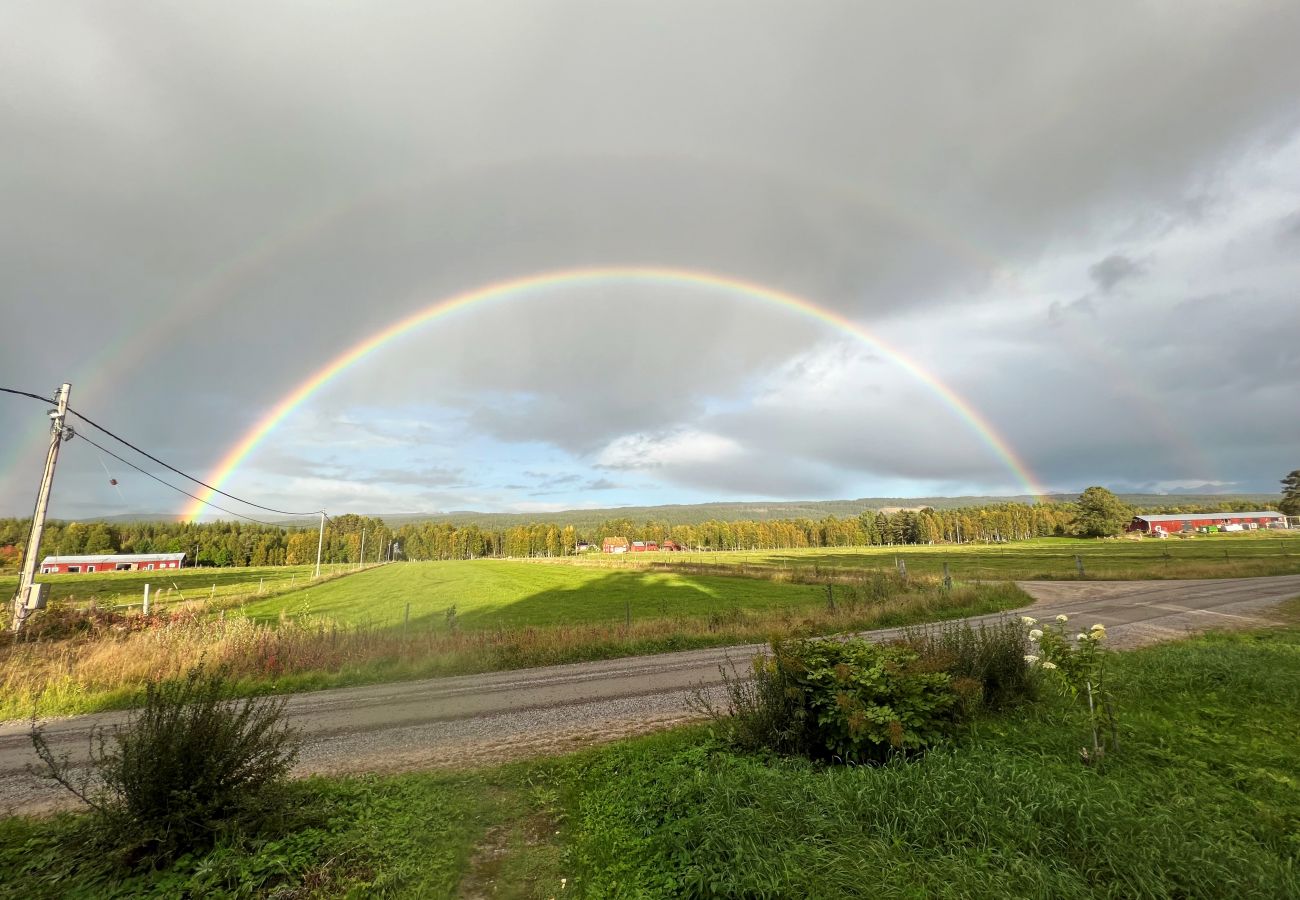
{"x":644,"y":547}
{"x":614,"y":545}
{"x":1187,"y":522}
{"x":111,"y":562}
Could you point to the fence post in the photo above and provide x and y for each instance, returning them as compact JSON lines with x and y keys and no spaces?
{"x":146,"y":599}
{"x":407,"y":621}
{"x":947,"y":579}
{"x":627,"y":611}
{"x":1078,"y":564}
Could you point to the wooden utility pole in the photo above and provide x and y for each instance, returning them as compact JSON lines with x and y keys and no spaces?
{"x":363,"y":548}
{"x":27,"y":576}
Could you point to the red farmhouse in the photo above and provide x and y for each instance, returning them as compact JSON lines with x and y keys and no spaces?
{"x":1182,"y":522}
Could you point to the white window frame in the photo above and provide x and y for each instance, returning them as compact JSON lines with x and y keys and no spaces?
{"x":90,"y":569}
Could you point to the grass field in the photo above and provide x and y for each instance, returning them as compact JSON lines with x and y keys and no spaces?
{"x":1203,"y":556}
{"x":121,"y":589}
{"x":1202,"y":801}
{"x":494,"y":593}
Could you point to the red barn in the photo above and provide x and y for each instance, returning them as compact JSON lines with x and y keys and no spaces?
{"x":671,"y":545}
{"x":111,"y":562}
{"x":1184,"y":522}
{"x":644,"y":546}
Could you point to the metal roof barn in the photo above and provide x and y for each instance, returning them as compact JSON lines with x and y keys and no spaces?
{"x":111,"y":562}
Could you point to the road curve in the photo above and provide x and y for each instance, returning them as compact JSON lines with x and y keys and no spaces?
{"x":479,"y":719}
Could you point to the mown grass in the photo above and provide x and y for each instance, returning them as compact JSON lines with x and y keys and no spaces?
{"x":1203,"y":800}
{"x":106,"y":670}
{"x":494,"y":593}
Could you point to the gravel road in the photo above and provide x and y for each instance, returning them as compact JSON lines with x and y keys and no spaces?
{"x":480,"y":719}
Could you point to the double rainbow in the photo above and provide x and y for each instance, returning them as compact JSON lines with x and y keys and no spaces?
{"x":521,"y":287}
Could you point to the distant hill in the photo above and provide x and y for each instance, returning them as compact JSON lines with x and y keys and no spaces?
{"x":695,"y":513}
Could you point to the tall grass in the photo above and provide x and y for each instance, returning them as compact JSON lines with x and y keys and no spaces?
{"x":106,"y":669}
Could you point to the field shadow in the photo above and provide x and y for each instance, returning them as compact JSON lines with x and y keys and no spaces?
{"x":609,"y":598}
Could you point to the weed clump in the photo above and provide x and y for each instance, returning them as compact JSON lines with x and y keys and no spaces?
{"x":992,"y":655}
{"x":848,"y":701}
{"x":855,"y":701}
{"x":190,"y":766}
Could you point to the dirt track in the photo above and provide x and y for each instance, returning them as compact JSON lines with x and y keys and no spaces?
{"x":479,"y":719}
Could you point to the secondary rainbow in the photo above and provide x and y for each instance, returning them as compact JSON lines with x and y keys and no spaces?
{"x":519,"y":287}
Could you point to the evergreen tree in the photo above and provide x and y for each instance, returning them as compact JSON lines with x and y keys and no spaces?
{"x":1290,"y":504}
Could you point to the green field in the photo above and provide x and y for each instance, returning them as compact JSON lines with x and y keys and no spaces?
{"x":493,"y":593}
{"x":1202,"y":801}
{"x":1203,"y":556}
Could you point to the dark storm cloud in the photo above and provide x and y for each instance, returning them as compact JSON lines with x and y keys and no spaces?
{"x":1113,"y":271}
{"x":200,"y":207}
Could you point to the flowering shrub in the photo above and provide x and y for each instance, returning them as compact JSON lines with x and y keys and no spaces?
{"x":1077,"y":664}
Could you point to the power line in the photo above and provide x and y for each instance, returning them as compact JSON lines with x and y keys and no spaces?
{"x":26,"y":394}
{"x":175,"y":488}
{"x":216,"y":490}
{"x":150,"y":456}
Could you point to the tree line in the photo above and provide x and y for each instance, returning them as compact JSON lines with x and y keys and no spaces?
{"x":247,"y":544}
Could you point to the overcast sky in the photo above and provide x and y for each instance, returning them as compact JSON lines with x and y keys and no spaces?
{"x":1083,"y":218}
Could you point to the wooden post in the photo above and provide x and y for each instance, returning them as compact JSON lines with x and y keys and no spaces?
{"x":407,"y":621}
{"x":627,"y":611}
{"x":947,"y":579}
{"x":1078,"y":564}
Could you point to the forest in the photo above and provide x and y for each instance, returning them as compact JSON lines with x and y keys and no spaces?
{"x":226,"y":543}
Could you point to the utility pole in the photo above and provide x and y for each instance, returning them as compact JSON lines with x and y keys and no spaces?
{"x":363,"y":547}
{"x":33,"y":551}
{"x":320,"y":543}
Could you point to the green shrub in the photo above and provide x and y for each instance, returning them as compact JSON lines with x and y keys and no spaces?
{"x":991,"y":654}
{"x":190,"y":765}
{"x":851,"y":701}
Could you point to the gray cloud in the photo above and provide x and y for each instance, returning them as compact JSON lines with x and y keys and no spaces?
{"x":203,"y":207}
{"x":1113,"y":271}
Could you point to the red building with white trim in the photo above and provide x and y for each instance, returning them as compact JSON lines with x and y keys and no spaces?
{"x":111,"y":562}
{"x":1181,"y":522}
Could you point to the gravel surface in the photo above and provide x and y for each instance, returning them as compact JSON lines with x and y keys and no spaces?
{"x":477,"y":720}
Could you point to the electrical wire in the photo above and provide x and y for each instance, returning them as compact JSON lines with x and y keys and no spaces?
{"x":145,"y":453}
{"x":180,"y":490}
{"x":26,"y":394}
{"x":150,"y":456}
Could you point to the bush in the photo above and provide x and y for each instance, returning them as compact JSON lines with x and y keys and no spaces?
{"x":852,"y":701}
{"x":992,"y":654}
{"x":190,"y":765}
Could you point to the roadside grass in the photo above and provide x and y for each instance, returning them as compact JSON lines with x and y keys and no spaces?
{"x":1203,"y":800}
{"x":1241,"y":555}
{"x":106,"y":671}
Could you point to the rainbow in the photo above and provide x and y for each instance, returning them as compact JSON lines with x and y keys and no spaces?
{"x":518,"y":287}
